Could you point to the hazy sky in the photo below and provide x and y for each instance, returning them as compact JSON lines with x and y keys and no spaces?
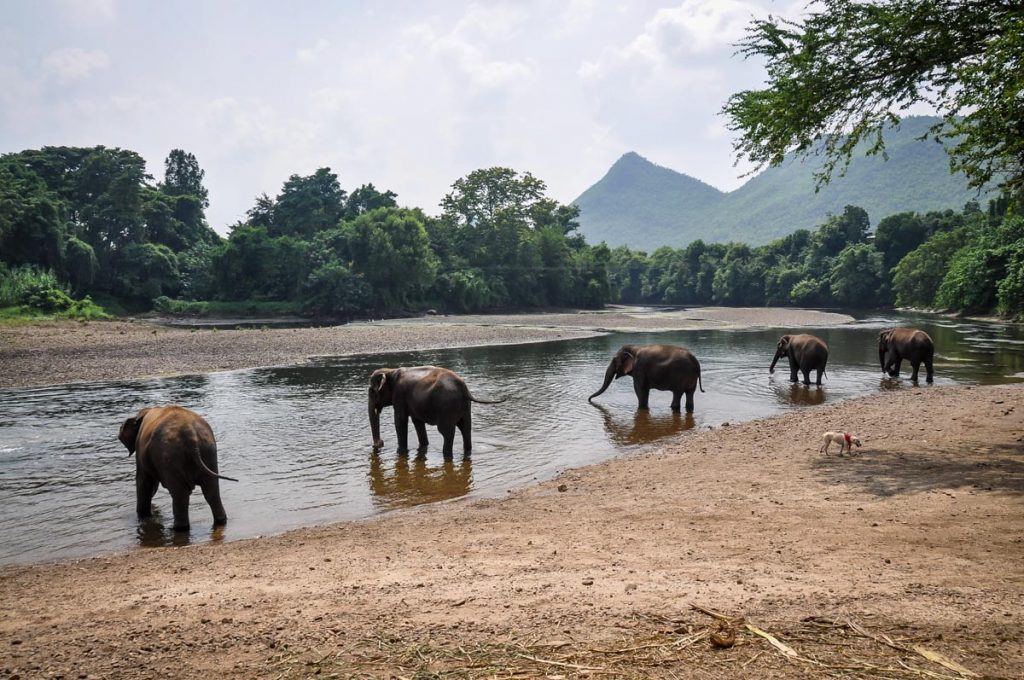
{"x":407,"y":95}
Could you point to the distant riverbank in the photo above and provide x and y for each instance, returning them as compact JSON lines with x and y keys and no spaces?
{"x":56,"y":352}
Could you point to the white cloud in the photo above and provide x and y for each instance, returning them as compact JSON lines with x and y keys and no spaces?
{"x":701,"y":26}
{"x":464,"y":47}
{"x":680,"y":37}
{"x":74,"y":63}
{"x":309,"y":55}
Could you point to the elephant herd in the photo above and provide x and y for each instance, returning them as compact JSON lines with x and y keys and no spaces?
{"x":175,"y":447}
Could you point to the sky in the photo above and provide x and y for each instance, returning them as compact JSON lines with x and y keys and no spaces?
{"x":407,"y":95}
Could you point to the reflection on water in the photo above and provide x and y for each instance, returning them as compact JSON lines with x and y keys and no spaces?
{"x":406,"y":484}
{"x":798,"y":394}
{"x":298,"y":437}
{"x":153,"y":533}
{"x":643,"y":426}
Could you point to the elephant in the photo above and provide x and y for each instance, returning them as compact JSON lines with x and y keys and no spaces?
{"x":897,"y":344}
{"x":806,"y":353}
{"x":430,"y":395}
{"x":175,"y":447}
{"x":659,"y":367}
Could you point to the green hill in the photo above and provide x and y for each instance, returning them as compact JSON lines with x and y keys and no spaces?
{"x":643,"y":205}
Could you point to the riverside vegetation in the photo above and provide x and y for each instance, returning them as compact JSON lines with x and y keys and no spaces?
{"x":84,"y":224}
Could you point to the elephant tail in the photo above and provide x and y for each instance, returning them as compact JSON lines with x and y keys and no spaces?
{"x":199,"y":459}
{"x":700,"y":383}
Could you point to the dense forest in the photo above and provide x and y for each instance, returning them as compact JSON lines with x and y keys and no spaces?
{"x":969,"y":261}
{"x":83,"y":230}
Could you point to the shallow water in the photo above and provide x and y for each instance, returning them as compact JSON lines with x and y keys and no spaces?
{"x":298,"y":438}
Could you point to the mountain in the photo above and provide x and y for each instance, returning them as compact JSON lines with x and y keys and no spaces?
{"x":637,"y":194}
{"x":643,"y":205}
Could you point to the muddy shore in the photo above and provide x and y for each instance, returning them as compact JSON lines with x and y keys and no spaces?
{"x":47,"y":353}
{"x":862,"y":566}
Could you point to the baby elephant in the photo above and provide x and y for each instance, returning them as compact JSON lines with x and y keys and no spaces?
{"x":430,"y":396}
{"x":175,"y":447}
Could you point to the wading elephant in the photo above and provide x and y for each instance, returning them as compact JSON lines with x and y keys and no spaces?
{"x":430,"y":396}
{"x":657,"y":367}
{"x":175,"y":447}
{"x":897,"y":344}
{"x":806,"y":353}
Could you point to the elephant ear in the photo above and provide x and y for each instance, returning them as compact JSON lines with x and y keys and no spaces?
{"x":784,"y":342}
{"x":129,"y":432}
{"x":382,"y":381}
{"x":628,"y":362}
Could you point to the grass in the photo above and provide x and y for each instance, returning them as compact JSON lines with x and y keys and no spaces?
{"x":83,"y":310}
{"x":220,"y":308}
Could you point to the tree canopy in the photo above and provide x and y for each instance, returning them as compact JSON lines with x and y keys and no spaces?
{"x":839,"y":77}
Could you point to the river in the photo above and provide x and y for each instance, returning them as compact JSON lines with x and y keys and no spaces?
{"x":298,"y":439}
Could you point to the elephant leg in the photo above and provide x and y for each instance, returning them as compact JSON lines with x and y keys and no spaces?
{"x":180,"y":505}
{"x":421,"y":433}
{"x":402,"y":430}
{"x":211,"y":492}
{"x":928,"y":369}
{"x":447,"y":431}
{"x":642,"y":394}
{"x":916,"y":365}
{"x":807,"y":375}
{"x":820,"y":371}
{"x":145,"y":489}
{"x":896,"y":367}
{"x":676,"y":399}
{"x":466,"y":429}
{"x":793,"y":371}
{"x":689,"y":400}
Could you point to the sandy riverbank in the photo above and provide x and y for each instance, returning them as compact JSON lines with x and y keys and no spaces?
{"x":47,"y":353}
{"x":919,"y":538}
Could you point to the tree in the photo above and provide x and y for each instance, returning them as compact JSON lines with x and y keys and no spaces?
{"x":147,"y":271}
{"x":390,"y":249}
{"x":184,"y":177}
{"x":917,"y":276}
{"x":897,"y":235}
{"x":858,"y":277}
{"x":840,"y":76}
{"x":367,"y":198}
{"x":81,"y":265}
{"x":500,"y":222}
{"x":307,"y":205}
{"x":31,"y":219}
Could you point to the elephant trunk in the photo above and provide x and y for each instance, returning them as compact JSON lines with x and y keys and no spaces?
{"x":881,"y":358}
{"x":778,"y":355}
{"x":375,"y":425}
{"x":609,"y":375}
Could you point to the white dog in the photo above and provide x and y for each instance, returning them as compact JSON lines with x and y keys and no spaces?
{"x":844,"y":439}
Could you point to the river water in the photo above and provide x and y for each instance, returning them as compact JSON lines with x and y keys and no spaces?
{"x":298,"y":439}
